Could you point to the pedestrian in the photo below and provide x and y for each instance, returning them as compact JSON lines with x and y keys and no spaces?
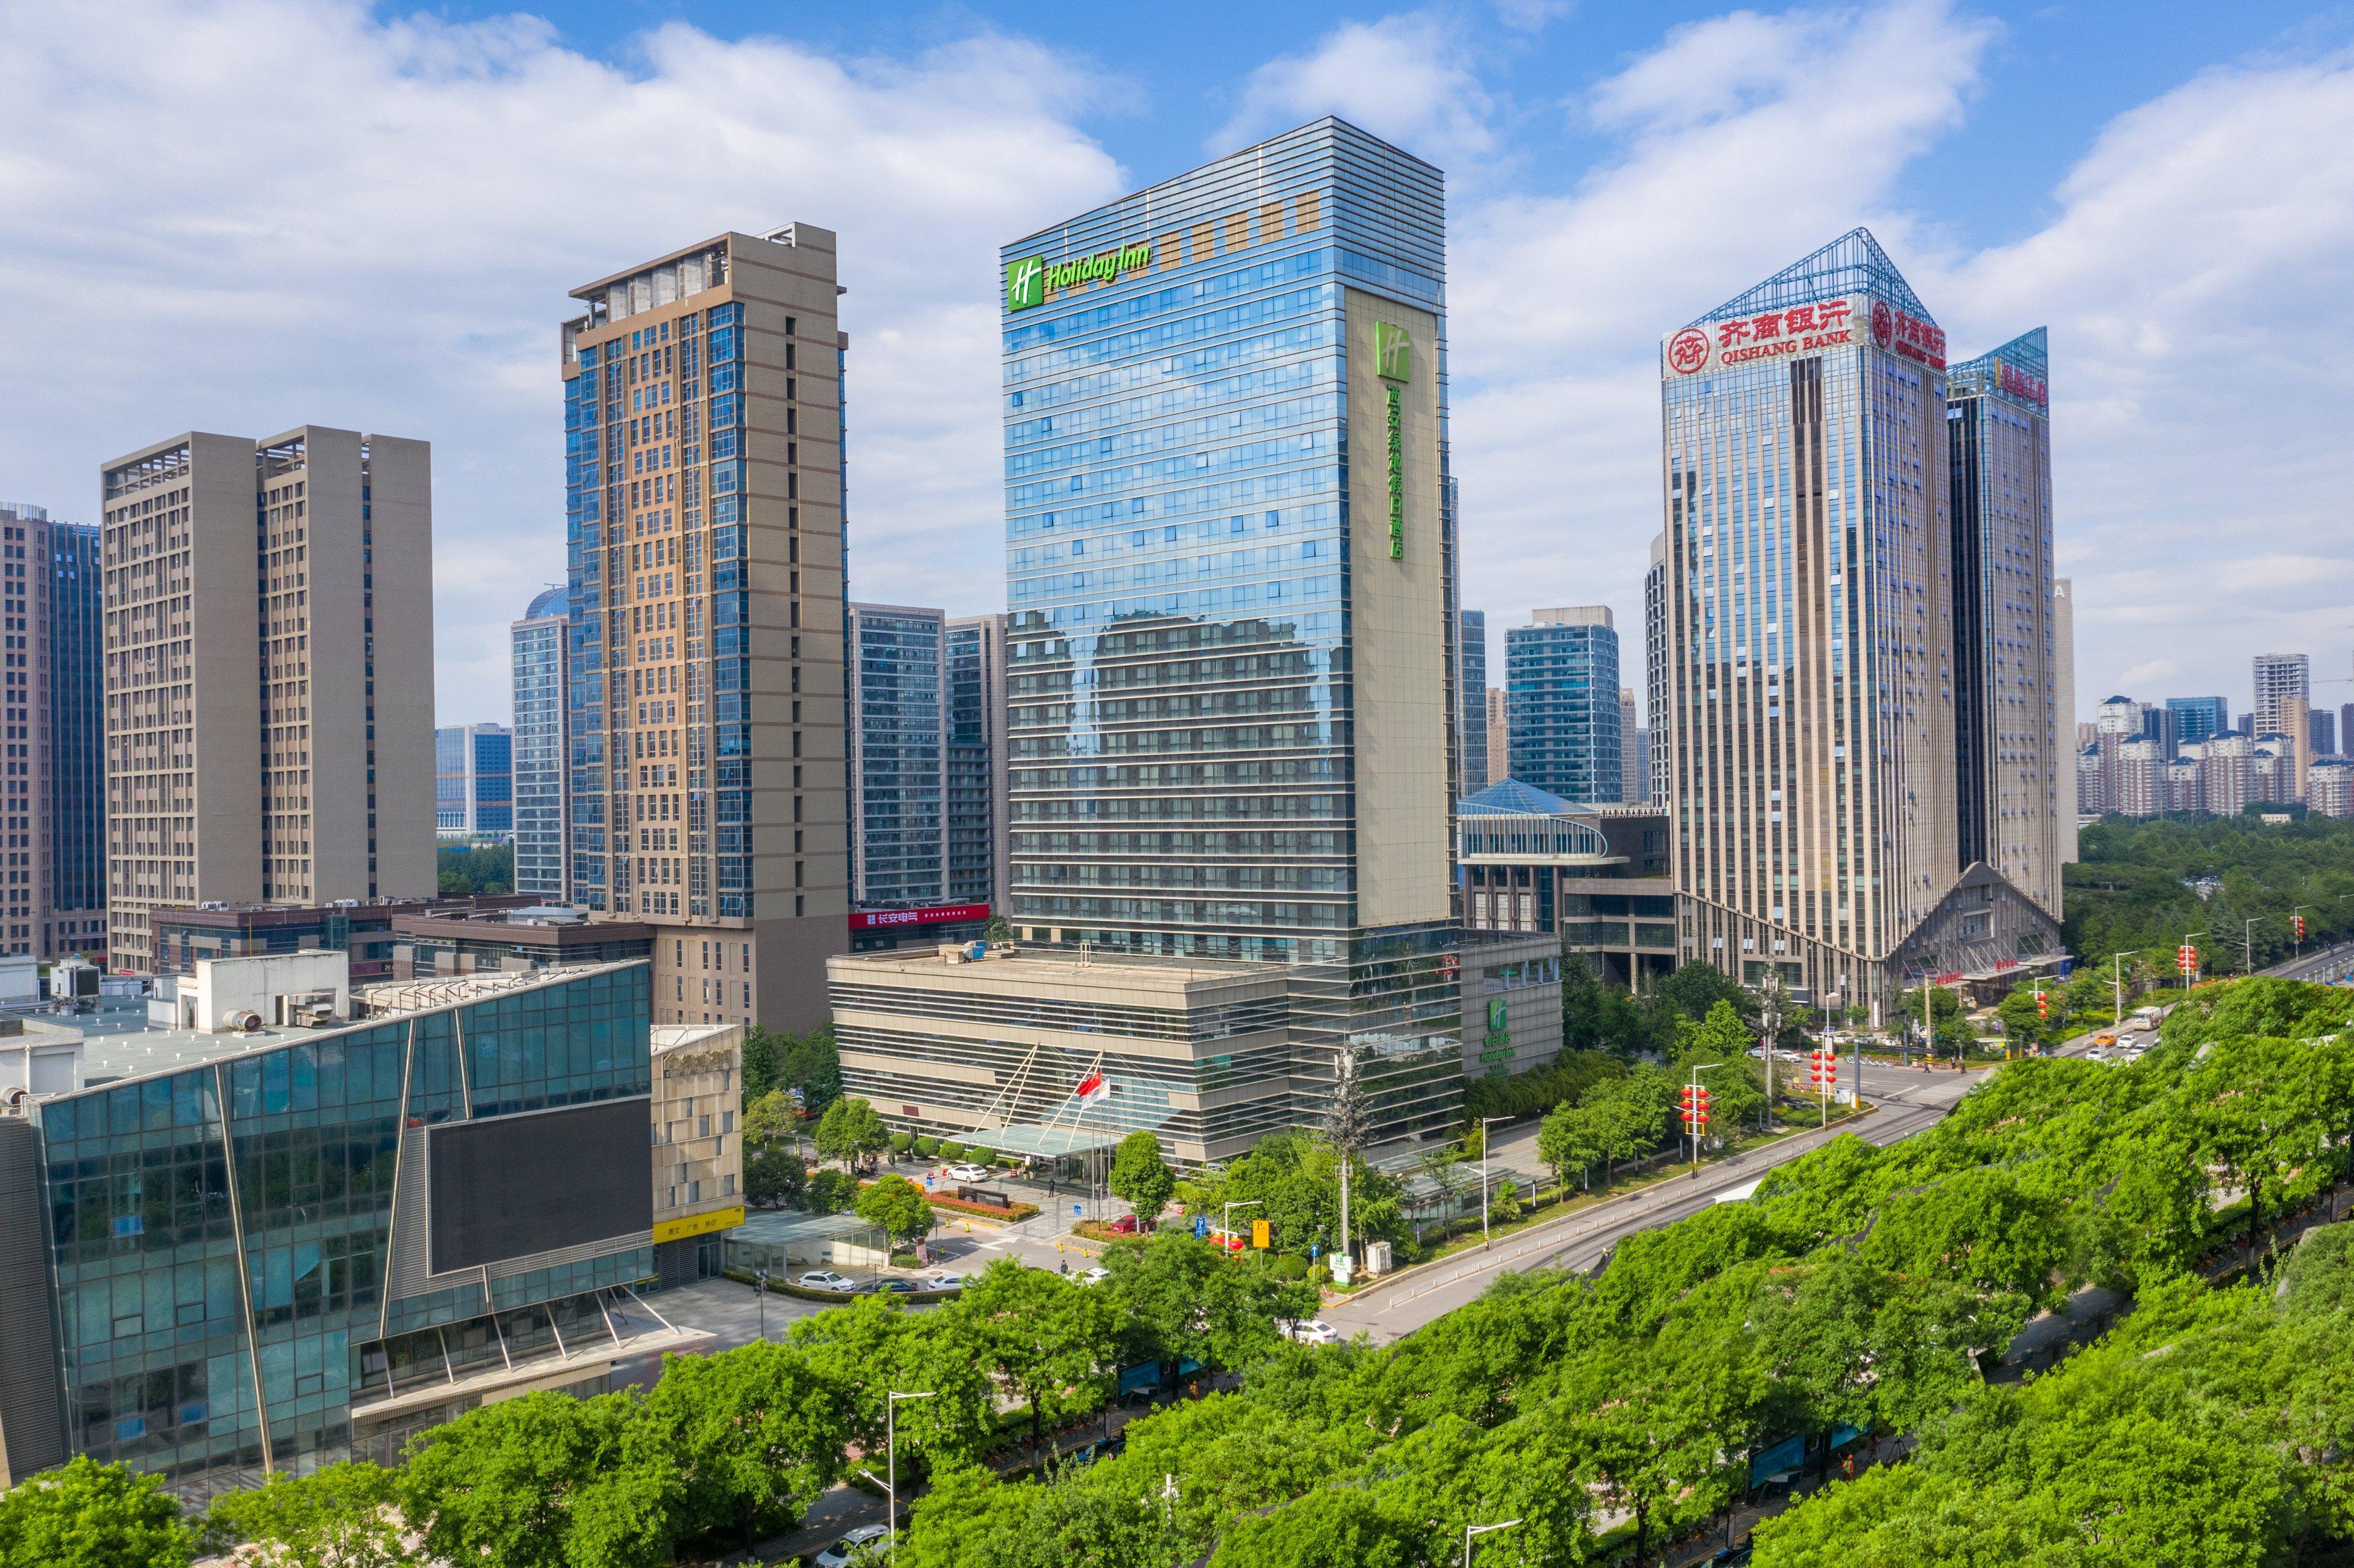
{"x":1062,"y":1265}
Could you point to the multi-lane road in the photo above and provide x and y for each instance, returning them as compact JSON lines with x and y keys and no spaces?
{"x":1907,"y":1100}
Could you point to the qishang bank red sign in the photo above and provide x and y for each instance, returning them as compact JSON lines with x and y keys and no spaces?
{"x":938,"y":915}
{"x":2021,"y":385}
{"x":1802,"y":329}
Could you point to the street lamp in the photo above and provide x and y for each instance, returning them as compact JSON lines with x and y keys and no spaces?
{"x":2117,"y":963}
{"x":1229,"y":1226}
{"x":891,"y":1446}
{"x":1471,"y":1530}
{"x":764,"y":1303}
{"x":1483,"y":1175}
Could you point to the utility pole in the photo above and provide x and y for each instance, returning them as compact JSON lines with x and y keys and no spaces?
{"x":1928,"y":1023}
{"x":891,"y":1445}
{"x":1483,"y":1176}
{"x":1695,"y":1109}
{"x":2296,"y":928}
{"x":2117,"y":963}
{"x":1770,"y":1004}
{"x":1346,"y":1127}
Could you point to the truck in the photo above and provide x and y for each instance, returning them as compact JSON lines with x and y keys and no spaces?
{"x":2146,"y":1018}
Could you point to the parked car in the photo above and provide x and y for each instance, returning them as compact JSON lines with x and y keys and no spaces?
{"x":892,"y":1286}
{"x":1094,"y":1276}
{"x":826,"y":1279}
{"x":867,"y":1544}
{"x":968,"y":1172}
{"x":1313,"y":1331}
{"x":945,"y":1282}
{"x":1125,"y":1225}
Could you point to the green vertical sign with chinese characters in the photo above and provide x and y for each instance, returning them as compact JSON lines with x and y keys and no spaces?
{"x":1394,"y":352}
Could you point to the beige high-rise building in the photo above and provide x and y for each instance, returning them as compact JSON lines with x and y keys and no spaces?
{"x":2063,"y":682}
{"x":269,"y":674}
{"x":704,"y":428}
{"x":1500,"y":737}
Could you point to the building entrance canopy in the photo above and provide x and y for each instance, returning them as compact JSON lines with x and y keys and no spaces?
{"x":1036,"y":1141}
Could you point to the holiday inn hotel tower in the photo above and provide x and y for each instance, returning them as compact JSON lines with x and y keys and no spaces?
{"x":1814,"y":649}
{"x":1231,"y":583}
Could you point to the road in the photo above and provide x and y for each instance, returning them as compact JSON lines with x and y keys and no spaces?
{"x":1907,"y":1100}
{"x":2328,"y":964}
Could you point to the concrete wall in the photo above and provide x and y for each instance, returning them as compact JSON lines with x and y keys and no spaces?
{"x":226,"y":987}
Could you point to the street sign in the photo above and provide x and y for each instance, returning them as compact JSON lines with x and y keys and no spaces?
{"x":1201,"y":1226}
{"x":1259,"y":1237}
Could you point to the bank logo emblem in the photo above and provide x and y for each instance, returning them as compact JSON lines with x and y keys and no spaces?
{"x":1688,"y":350}
{"x":1395,"y":350}
{"x":1025,"y":283}
{"x":1883,"y":324}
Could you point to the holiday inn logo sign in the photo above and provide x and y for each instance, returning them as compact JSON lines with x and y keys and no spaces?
{"x":1393,"y":356}
{"x":1027,"y":280}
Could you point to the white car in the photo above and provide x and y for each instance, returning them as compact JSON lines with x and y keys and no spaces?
{"x":1092,"y":1276}
{"x":945,"y":1282}
{"x":867,"y":1544}
{"x":968,"y":1172}
{"x":826,"y":1279}
{"x":1314,"y":1331}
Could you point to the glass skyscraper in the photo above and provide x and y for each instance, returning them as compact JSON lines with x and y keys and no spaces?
{"x":1231,"y":582}
{"x":898,"y":756}
{"x":474,"y":782}
{"x":539,"y":746}
{"x":976,"y":811}
{"x":1472,"y":725}
{"x":1561,"y":687}
{"x":2006,"y":688}
{"x":1809,"y":621}
{"x":2196,"y":719}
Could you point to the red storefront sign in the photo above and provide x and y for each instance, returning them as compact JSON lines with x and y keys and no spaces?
{"x":1909,"y":335}
{"x":1772,"y":334}
{"x":939,"y":915}
{"x":2020,"y":383}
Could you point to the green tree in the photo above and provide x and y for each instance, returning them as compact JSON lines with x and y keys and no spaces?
{"x":1567,"y":1140}
{"x":2023,"y":1022}
{"x":753,"y":1437}
{"x":998,"y":929}
{"x":774,"y":1176}
{"x":501,"y":1484}
{"x":1694,"y":990}
{"x":1139,"y":1175}
{"x":763,"y":1055}
{"x":1183,"y":1299}
{"x":1736,"y":1093}
{"x":1442,"y":1167}
{"x":89,"y":1515}
{"x":852,"y":1131}
{"x":811,"y":1062}
{"x":1046,"y":1339}
{"x":868,"y":1348}
{"x":772,"y":1115}
{"x":344,"y":1516}
{"x":828,"y":1191}
{"x":897,"y":1205}
{"x":1342,"y":1529}
{"x":487,"y":869}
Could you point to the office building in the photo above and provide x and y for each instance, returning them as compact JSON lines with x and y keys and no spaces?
{"x":269,"y":674}
{"x":1630,"y":749}
{"x":976,"y":806}
{"x":1598,"y":879}
{"x":1561,"y":684}
{"x":2198,"y":719}
{"x":1472,"y":660}
{"x":186,"y":936}
{"x":2279,"y":677}
{"x":2063,"y":682}
{"x":2007,"y":746}
{"x":1656,"y":706}
{"x":704,"y":510}
{"x":1810,"y":632}
{"x":1500,"y":735}
{"x":2321,"y":732}
{"x":541,"y":743}
{"x":473,"y":781}
{"x":478,"y":1195}
{"x":1232,"y":676}
{"x":898,"y":756}
{"x":53,"y":901}
{"x":457,"y":939}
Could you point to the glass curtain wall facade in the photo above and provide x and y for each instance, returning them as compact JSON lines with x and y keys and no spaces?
{"x":976,"y":807}
{"x":538,"y":641}
{"x":2006,"y":695}
{"x":1473,"y":724}
{"x":76,"y":741}
{"x":1560,"y":683}
{"x":898,"y":756}
{"x":1808,"y":621}
{"x":236,"y":1247}
{"x":1230,"y":570}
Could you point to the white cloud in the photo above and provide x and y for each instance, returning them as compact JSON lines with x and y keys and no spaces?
{"x":270,"y":212}
{"x":1407,"y":79}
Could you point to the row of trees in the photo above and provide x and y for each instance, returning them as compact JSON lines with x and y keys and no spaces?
{"x":1861,"y":1287}
{"x":2140,"y":887}
{"x":723,"y":1450}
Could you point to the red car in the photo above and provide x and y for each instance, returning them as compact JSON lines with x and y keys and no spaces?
{"x":1125,"y":1225}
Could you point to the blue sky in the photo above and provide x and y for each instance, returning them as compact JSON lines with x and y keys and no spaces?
{"x":368,"y":216}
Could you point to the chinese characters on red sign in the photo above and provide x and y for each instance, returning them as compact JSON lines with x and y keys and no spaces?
{"x":938,"y":914}
{"x":1804,"y":329}
{"x":2020,"y":383}
{"x":1909,"y":335}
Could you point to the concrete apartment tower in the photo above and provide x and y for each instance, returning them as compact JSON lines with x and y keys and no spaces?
{"x":704,"y":515}
{"x":1809,"y":614}
{"x":269,"y":674}
{"x":2008,"y":747}
{"x":54,"y":901}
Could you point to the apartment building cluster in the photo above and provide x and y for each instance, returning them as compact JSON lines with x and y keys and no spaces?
{"x":2194,"y":756}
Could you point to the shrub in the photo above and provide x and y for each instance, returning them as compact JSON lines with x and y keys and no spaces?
{"x":1289,"y":1266}
{"x":952,"y":1152}
{"x":903,"y":1142}
{"x":927,"y":1147}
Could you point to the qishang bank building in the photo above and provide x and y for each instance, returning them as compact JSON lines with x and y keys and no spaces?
{"x":1231,"y":576}
{"x":1811,"y":628}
